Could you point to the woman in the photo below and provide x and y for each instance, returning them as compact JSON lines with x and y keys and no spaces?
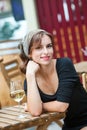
{"x":52,"y":84}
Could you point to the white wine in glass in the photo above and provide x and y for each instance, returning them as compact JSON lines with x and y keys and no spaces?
{"x":17,"y":94}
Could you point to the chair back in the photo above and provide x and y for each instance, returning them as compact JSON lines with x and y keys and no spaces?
{"x":9,"y":71}
{"x":81,"y":68}
{"x":9,"y":47}
{"x":84,"y":80}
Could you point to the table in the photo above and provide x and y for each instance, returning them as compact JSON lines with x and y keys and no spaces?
{"x":9,"y":120}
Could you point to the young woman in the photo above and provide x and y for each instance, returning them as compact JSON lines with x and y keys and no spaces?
{"x":52,"y":84}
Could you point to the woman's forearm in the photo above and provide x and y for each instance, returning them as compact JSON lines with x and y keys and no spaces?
{"x":33,"y":97}
{"x":55,"y":106}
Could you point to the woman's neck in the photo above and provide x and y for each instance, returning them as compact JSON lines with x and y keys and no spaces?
{"x":47,"y":70}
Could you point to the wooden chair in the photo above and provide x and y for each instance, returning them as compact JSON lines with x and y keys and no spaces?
{"x":9,"y":70}
{"x":81,"y":67}
{"x":84,"y":80}
{"x":9,"y":47}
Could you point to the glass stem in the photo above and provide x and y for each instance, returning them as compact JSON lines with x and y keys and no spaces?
{"x":19,"y":103}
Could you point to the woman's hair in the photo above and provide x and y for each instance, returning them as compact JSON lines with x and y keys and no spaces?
{"x":30,"y":41}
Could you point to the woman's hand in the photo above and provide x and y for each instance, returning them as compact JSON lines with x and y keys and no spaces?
{"x":32,"y":68}
{"x":25,"y":107}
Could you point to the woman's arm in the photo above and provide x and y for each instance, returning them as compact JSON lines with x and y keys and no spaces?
{"x":55,"y":106}
{"x":34,"y":103}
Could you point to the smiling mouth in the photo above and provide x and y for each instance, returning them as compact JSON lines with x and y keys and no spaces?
{"x":45,"y":57}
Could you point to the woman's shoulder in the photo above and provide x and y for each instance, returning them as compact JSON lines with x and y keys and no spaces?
{"x":65,"y":64}
{"x":64,"y":60}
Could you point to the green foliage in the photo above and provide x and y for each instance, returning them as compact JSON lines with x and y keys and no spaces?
{"x":7,"y":30}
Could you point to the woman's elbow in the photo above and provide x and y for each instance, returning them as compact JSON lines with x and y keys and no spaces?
{"x":62,"y":110}
{"x":36,"y":113}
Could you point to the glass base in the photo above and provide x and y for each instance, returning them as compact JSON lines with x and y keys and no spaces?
{"x":22,"y":116}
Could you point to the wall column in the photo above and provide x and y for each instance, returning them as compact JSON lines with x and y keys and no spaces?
{"x":30,"y":14}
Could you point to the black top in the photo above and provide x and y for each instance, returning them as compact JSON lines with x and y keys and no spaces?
{"x":71,"y":91}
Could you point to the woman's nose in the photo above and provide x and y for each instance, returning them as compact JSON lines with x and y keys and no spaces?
{"x":45,"y":50}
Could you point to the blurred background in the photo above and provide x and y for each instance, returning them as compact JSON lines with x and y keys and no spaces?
{"x":65,"y":19}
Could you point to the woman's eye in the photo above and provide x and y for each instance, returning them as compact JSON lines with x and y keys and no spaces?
{"x":50,"y":45}
{"x":39,"y":47}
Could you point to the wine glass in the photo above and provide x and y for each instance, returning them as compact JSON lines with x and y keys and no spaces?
{"x":17,"y":94}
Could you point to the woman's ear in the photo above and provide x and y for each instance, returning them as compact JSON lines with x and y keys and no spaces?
{"x":30,"y":57}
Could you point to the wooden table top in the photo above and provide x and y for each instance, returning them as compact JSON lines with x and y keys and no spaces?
{"x":10,"y":121}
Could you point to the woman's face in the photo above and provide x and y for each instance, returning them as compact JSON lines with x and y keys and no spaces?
{"x":43,"y":53}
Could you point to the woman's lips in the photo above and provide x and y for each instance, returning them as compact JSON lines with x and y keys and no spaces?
{"x":45,"y":57}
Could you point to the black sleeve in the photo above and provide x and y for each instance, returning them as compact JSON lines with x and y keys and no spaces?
{"x":68,"y":79}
